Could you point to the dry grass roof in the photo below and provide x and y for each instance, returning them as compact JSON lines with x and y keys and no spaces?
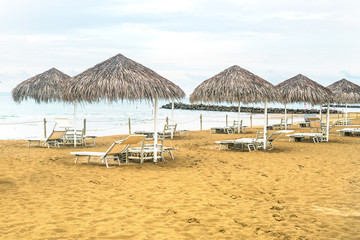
{"x":345,"y":91}
{"x":302,"y":89}
{"x":44,"y":87}
{"x":120,"y":78}
{"x":234,"y":84}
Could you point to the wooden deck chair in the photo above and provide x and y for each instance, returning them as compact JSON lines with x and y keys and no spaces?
{"x":69,"y":137}
{"x":56,"y":138}
{"x":115,"y":151}
{"x":322,"y":137}
{"x":166,"y":131}
{"x":146,"y":152}
{"x":242,"y":127}
{"x":173,"y":130}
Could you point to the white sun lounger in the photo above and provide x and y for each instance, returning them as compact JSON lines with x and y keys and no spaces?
{"x":299,"y":137}
{"x":115,"y":150}
{"x":349,"y":131}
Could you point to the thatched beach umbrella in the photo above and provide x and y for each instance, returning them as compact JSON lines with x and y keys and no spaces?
{"x":345,"y":92}
{"x":236,"y":85}
{"x":45,"y":87}
{"x":302,"y":89}
{"x":120,"y":78}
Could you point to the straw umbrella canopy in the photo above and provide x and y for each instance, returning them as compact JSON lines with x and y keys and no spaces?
{"x":120,"y":78}
{"x":235,"y":84}
{"x":345,"y":92}
{"x":45,"y":87}
{"x":302,"y":89}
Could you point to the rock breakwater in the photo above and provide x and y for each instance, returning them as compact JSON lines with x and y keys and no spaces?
{"x":204,"y":107}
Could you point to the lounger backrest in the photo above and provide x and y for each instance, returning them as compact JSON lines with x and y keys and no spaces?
{"x":273,"y":136}
{"x":315,"y":124}
{"x":56,"y":135}
{"x":63,"y":122}
{"x":134,"y":139}
{"x":120,"y":146}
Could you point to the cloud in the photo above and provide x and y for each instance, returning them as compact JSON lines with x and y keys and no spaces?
{"x":349,"y":75}
{"x":185,"y":41}
{"x":154,"y":7}
{"x":300,"y":16}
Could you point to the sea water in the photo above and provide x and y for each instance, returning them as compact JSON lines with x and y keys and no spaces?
{"x":26,"y":120}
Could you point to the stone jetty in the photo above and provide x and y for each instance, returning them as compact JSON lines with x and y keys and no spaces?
{"x":204,"y":107}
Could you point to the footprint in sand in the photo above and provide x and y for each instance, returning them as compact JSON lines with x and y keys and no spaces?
{"x":193,"y":220}
{"x":277,"y":208}
{"x":94,"y":181}
{"x":277,"y":217}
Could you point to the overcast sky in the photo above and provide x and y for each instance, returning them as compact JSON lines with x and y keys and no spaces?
{"x":185,"y":41}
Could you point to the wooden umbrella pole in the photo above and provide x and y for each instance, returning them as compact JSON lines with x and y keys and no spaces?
{"x":155,"y":129}
{"x":265,"y":127}
{"x":74,"y":124}
{"x":239,"y":110}
{"x":327,"y":121}
{"x":285,"y":117}
{"x":346,"y":114}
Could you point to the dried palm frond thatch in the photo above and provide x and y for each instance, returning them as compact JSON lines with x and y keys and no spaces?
{"x":234,"y":84}
{"x":302,"y":89}
{"x":44,"y":87}
{"x":120,"y":78}
{"x":345,"y":91}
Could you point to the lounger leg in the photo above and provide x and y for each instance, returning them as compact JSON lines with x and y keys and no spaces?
{"x":107,"y":165}
{"x":271,"y":146}
{"x":172,"y":157}
{"x":76,"y":159}
{"x":118,"y":159}
{"x":89,"y":159}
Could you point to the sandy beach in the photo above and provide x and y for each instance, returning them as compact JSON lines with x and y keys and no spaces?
{"x":299,"y":190}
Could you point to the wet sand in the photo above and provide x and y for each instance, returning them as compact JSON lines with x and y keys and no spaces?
{"x":298,"y":190}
